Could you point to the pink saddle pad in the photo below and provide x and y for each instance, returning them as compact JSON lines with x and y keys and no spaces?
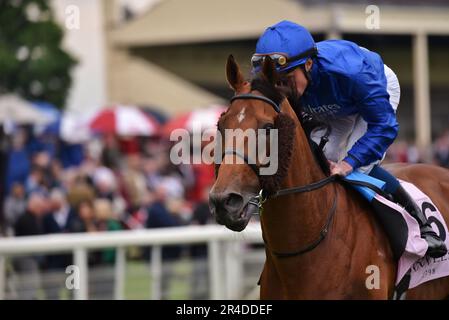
{"x":422,"y":268}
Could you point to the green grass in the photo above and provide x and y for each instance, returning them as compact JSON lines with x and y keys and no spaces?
{"x":138,"y":280}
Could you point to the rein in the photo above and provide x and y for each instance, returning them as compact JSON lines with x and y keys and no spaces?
{"x":261,"y":198}
{"x":321,"y":237}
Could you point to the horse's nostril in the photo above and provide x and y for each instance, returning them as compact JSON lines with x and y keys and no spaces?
{"x":234,"y":201}
{"x":227,"y":202}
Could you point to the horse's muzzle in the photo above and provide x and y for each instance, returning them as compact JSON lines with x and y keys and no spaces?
{"x":231,"y":209}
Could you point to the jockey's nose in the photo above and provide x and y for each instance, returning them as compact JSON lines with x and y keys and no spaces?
{"x":225,"y":203}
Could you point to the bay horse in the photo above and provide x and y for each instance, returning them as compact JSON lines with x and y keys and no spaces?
{"x":318,"y":242}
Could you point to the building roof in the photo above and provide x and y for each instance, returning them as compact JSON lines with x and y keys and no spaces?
{"x":181,"y":21}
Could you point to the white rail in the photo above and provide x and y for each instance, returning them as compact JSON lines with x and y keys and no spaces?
{"x":217,"y":237}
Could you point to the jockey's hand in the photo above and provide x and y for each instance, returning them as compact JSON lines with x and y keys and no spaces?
{"x":341,"y":168}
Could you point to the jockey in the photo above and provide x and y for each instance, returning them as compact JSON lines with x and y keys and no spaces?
{"x":350,"y":89}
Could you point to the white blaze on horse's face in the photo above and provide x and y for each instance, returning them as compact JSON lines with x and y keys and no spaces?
{"x":241,"y":115}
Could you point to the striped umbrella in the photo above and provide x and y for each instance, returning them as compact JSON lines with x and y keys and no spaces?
{"x":124,"y":121}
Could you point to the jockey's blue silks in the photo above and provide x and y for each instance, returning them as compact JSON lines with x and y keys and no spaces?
{"x":346,"y":80}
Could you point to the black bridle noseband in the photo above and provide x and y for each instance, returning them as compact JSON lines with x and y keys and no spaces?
{"x":250,"y":96}
{"x":261,"y":198}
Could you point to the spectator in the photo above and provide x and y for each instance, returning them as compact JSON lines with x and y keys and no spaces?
{"x":85,"y":217}
{"x":414,"y":154}
{"x":106,"y":187}
{"x":111,"y":152}
{"x":79,"y":190}
{"x":441,"y":152}
{"x":152,"y":172}
{"x":30,"y":223}
{"x":71,"y":155}
{"x":200,"y":274}
{"x":18,"y":166}
{"x":106,"y":220}
{"x":35,"y":181}
{"x":134,"y":181}
{"x":160,"y":217}
{"x":158,"y":214}
{"x":101,"y":284}
{"x":204,"y":178}
{"x":61,"y":219}
{"x":15,"y":206}
{"x":55,"y":174}
{"x":28,"y":268}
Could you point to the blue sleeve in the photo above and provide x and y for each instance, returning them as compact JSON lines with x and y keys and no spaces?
{"x":372,"y":101}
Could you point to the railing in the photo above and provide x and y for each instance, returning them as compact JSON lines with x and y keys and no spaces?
{"x":224,"y":250}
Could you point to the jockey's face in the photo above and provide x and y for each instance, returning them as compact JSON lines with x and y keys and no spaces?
{"x":298,"y":78}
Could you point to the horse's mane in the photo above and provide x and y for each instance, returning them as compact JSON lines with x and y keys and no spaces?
{"x":277,"y":95}
{"x":267,"y":89}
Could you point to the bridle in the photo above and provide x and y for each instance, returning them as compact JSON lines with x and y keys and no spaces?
{"x":262,"y":197}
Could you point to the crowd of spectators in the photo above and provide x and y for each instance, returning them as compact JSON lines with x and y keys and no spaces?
{"x":106,"y":184}
{"x":437,"y":153}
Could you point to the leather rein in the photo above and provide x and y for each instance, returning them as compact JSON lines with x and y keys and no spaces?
{"x":261,"y":198}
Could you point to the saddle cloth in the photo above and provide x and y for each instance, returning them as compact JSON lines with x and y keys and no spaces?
{"x":414,"y":268}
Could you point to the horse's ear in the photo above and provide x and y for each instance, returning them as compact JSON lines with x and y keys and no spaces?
{"x":234,"y":75}
{"x":269,"y":71}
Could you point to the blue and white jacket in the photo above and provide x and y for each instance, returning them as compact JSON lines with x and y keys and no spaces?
{"x":348,"y":80}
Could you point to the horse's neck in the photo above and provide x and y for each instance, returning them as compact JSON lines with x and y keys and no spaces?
{"x":304,"y":168}
{"x":293,"y":221}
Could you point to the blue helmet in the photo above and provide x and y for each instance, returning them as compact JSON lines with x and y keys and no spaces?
{"x":287,"y":43}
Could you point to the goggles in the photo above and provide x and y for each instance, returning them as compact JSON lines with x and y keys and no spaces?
{"x":281,"y":60}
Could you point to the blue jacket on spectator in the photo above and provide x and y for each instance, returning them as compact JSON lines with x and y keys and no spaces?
{"x":18,"y":168}
{"x":160,"y":217}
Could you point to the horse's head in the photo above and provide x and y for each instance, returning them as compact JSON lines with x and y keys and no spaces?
{"x":258,"y":113}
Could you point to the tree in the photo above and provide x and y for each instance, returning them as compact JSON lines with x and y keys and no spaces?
{"x":32,"y":61}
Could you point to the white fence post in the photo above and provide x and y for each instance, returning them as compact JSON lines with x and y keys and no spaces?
{"x":156,"y":272}
{"x":80,"y":260}
{"x":2,"y":277}
{"x":120,"y":269}
{"x":233,"y":262}
{"x":214,"y":269}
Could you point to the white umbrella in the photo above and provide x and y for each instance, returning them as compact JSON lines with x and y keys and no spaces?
{"x":74,"y":126}
{"x":17,"y":110}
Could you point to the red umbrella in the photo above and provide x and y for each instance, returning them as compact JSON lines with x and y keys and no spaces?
{"x":201,"y":119}
{"x":124,"y":121}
